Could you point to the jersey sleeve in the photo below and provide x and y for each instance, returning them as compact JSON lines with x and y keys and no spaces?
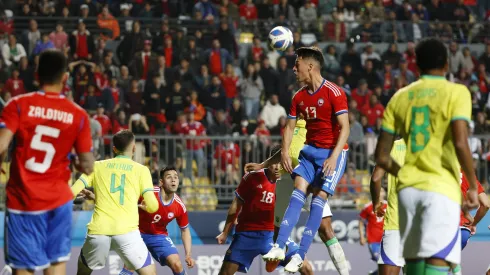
{"x":338,"y":99}
{"x":364,"y":213}
{"x":82,"y":183}
{"x":241,"y":191}
{"x":10,"y":117}
{"x":388,"y":124}
{"x":146,"y":187}
{"x":183,"y":219}
{"x":83,"y":144}
{"x":461,"y":105}
{"x":294,"y":103}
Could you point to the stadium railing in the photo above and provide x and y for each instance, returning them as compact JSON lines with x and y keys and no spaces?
{"x":321,"y":28}
{"x":210,"y":174}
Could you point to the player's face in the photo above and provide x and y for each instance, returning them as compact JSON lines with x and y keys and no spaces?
{"x":276,"y":170}
{"x":170,"y":181}
{"x":300,"y":69}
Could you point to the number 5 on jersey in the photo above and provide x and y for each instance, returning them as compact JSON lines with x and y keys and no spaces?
{"x":120,"y":188}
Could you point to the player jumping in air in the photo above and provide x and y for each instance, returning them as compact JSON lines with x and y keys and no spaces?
{"x":431,"y":115}
{"x":45,"y":126}
{"x":390,"y":261}
{"x":373,"y":223}
{"x":322,"y":159}
{"x":118,"y":184}
{"x":283,"y":192}
{"x":468,"y":223}
{"x":153,"y":227}
{"x":254,"y":204}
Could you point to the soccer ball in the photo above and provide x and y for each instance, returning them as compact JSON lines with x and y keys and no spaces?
{"x":280,"y":38}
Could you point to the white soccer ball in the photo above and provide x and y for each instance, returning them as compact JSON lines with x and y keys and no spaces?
{"x":280,"y":38}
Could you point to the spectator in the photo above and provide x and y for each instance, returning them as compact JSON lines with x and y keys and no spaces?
{"x":460,"y":12}
{"x":370,"y":75}
{"x":108,"y":66}
{"x":340,"y":81}
{"x":351,"y":78}
{"x":175,"y":101}
{"x":284,"y":9}
{"x":463,"y":78}
{"x":332,"y":65}
{"x":385,"y":95}
{"x":356,"y":136}
{"x":362,"y":94}
{"x":409,"y":55}
{"x":146,"y":13}
{"x":237,"y":115}
{"x":272,"y":111}
{"x":220,"y":125}
{"x":132,"y":42}
{"x":217,"y":58}
{"x":159,"y":37}
{"x":369,"y":53}
{"x":230,"y":82}
{"x":125,"y":19}
{"x":184,"y":75}
{"x":165,"y":74}
{"x":405,"y":75}
{"x":59,"y":37}
{"x":251,"y":90}
{"x":89,"y":99}
{"x":26,"y":73}
{"x":100,"y":52}
{"x":137,"y":125}
{"x":456,"y":58}
{"x":421,"y":11}
{"x":177,"y":128}
{"x":226,"y":160}
{"x":203,"y":81}
{"x":124,"y":79}
{"x":81,"y":43}
{"x":257,"y":52}
{"x":373,"y":110}
{"x":248,"y":11}
{"x":170,"y":52}
{"x":106,"y":125}
{"x":377,"y":12}
{"x":483,"y":79}
{"x":108,"y":24}
{"x":112,"y":96}
{"x":468,"y":61}
{"x":12,"y":52}
{"x":349,"y":186}
{"x":485,"y":58}
{"x":416,"y":30}
{"x":308,"y":15}
{"x":215,"y":96}
{"x":195,"y":146}
{"x":386,"y":76}
{"x":481,"y":125}
{"x":263,"y":134}
{"x":15,"y":85}
{"x":143,"y":62}
{"x":232,"y":9}
{"x":30,"y":37}
{"x":286,"y":83}
{"x":207,"y":10}
{"x":392,"y":55}
{"x":392,"y":30}
{"x":193,"y":54}
{"x":196,"y":107}
{"x":436,"y":10}
{"x":270,"y":78}
{"x":134,"y":97}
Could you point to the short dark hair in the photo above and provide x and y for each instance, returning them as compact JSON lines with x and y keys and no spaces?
{"x":52,"y":66}
{"x":431,"y":54}
{"x":274,"y":150}
{"x":166,"y":169}
{"x":122,"y":139}
{"x":311,"y":52}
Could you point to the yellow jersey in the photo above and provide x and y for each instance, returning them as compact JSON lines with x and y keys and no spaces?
{"x":298,"y":141}
{"x":422,"y":113}
{"x":118,"y":184}
{"x":391,"y":216}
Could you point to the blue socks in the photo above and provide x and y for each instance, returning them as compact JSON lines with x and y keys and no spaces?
{"x":312,"y":225}
{"x":291,"y":217}
{"x":125,"y":271}
{"x":181,"y":273}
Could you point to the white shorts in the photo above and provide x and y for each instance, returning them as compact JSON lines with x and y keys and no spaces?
{"x":391,"y":254}
{"x":284,"y":189}
{"x":130,"y":247}
{"x":429,"y":225}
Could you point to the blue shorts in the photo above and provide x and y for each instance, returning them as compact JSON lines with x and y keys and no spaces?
{"x":465,"y":237}
{"x":250,"y":244}
{"x":160,"y":247}
{"x":375,"y":249}
{"x":34,"y":241}
{"x":311,"y":164}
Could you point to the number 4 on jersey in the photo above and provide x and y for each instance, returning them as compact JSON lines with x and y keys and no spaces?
{"x":120,"y":188}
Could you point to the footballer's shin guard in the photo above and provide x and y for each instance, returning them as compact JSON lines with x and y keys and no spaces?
{"x":338,"y":256}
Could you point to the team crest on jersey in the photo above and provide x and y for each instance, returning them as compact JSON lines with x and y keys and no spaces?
{"x":301,"y":103}
{"x":320,"y":102}
{"x":170,"y":215}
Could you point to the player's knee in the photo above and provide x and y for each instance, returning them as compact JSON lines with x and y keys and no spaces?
{"x":325,"y":231}
{"x":176,"y":266}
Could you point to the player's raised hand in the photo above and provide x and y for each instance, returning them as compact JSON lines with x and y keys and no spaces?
{"x":189,"y":261}
{"x":142,"y":205}
{"x":471,"y":201}
{"x":250,"y":167}
{"x":221,"y":238}
{"x":380,"y":212}
{"x":329,"y":166}
{"x":286,"y":162}
{"x":87,"y":194}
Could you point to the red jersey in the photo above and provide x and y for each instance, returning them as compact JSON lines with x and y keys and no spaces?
{"x":227,"y":155}
{"x":374,"y":224}
{"x":464,"y":188}
{"x":15,"y":87}
{"x":373,"y":113}
{"x":195,"y":129}
{"x":46,"y":127}
{"x":257,"y":193}
{"x":320,"y":109}
{"x":156,"y":223}
{"x":361,"y":99}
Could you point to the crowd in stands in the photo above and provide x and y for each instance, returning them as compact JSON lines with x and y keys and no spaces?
{"x":196,"y":81}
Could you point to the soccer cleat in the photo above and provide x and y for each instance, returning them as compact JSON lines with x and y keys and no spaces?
{"x":276,"y":253}
{"x":295,"y":264}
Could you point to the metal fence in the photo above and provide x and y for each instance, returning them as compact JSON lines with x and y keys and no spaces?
{"x":212,"y":167}
{"x":322,"y":29}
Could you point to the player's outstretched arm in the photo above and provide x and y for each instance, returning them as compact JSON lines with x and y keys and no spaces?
{"x":187,"y":241}
{"x":83,"y":182}
{"x":230,"y":220}
{"x":276,"y":158}
{"x":383,"y":153}
{"x":375,"y":185}
{"x":483,"y":209}
{"x":459,"y":129}
{"x":85,"y":163}
{"x":362,"y":237}
{"x":287,"y":137}
{"x":5,"y":138}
